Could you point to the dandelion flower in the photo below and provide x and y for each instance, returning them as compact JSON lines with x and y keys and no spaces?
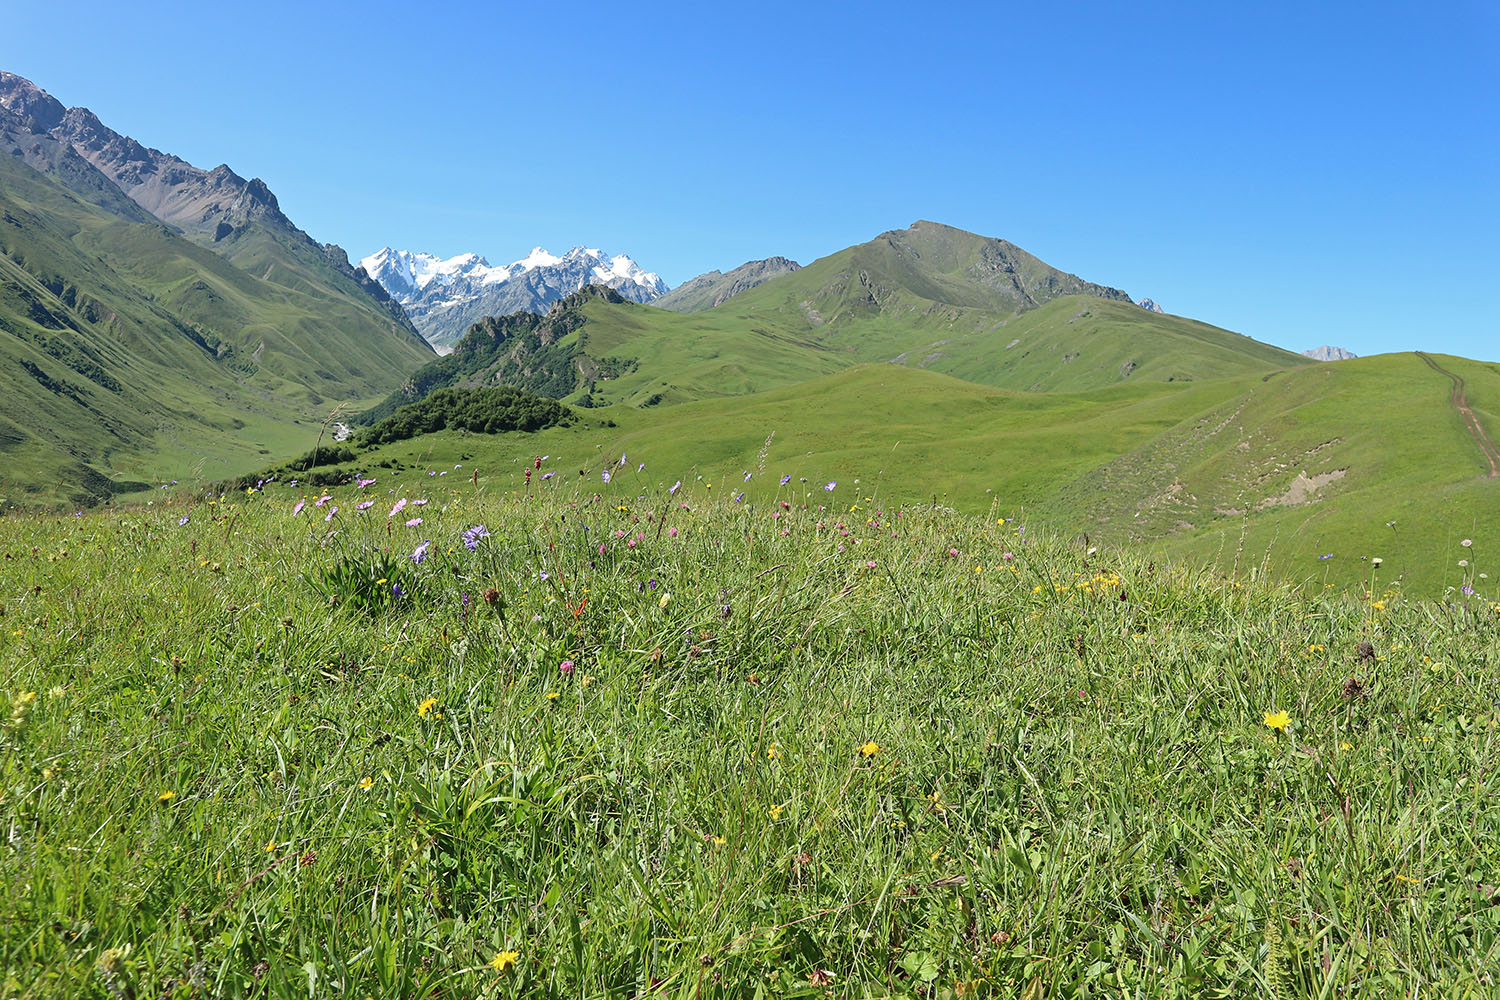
{"x":166,"y":796}
{"x":425,"y":709}
{"x":504,"y":960}
{"x":366,"y":783}
{"x":553,"y":695}
{"x":270,"y":846}
{"x":1278,"y":720}
{"x":869,"y":749}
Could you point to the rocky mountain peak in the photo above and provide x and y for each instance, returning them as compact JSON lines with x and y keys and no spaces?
{"x":1150,"y":306}
{"x":1327,"y":353}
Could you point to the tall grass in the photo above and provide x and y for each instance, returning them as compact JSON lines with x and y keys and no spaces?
{"x":633,"y":744}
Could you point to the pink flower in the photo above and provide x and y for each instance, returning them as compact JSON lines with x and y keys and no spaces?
{"x":1007,"y":556}
{"x":298,"y":509}
{"x":952,"y":553}
{"x":567,"y":667}
{"x":630,"y":544}
{"x":671,"y":532}
{"x":870,"y":564}
{"x":400,"y":506}
{"x":414,"y":522}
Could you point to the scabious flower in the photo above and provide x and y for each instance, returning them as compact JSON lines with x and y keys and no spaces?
{"x":831,"y":484}
{"x":183,"y":520}
{"x":786,"y":479}
{"x":298,"y":508}
{"x":473,"y":535}
{"x":548,"y":475}
{"x":366,"y":482}
{"x":420,"y":552}
{"x":675,"y":487}
{"x":414,"y":522}
{"x":366,"y":505}
{"x":331,"y":511}
{"x":398,"y":508}
{"x":604,"y":475}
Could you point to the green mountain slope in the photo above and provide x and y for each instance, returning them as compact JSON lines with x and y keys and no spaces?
{"x":715,"y":288}
{"x":131,"y":352}
{"x":1005,"y":319}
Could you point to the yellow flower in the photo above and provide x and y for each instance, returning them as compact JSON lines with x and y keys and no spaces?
{"x":869,"y":749}
{"x":1278,"y":720}
{"x":719,"y":841}
{"x":1346,"y":746}
{"x":425,"y":709}
{"x":270,"y":846}
{"x":504,"y":960}
{"x":553,"y":695}
{"x":662,"y":603}
{"x":367,"y":783}
{"x":167,"y":796}
{"x":773,"y":752}
{"x":775,"y":810}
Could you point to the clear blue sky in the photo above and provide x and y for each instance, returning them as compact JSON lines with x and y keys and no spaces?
{"x":1305,"y":173}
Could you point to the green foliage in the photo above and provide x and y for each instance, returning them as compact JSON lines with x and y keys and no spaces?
{"x":884,"y":749}
{"x":371,"y":582}
{"x":478,"y":411}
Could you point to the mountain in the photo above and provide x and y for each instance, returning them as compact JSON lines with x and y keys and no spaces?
{"x":1150,"y":306}
{"x":132,"y":346}
{"x":445,"y":297}
{"x":715,"y":288}
{"x":929,"y":297}
{"x":1326,"y":353}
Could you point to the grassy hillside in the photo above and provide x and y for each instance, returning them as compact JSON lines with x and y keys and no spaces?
{"x":745,"y":751}
{"x":1253,"y":474}
{"x":131,"y":353}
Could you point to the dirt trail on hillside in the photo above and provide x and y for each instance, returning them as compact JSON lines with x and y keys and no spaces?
{"x":1476,"y":429}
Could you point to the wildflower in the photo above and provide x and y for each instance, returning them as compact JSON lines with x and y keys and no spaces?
{"x":869,"y":749}
{"x":567,"y":667}
{"x":270,"y":846}
{"x":739,"y":498}
{"x":366,"y":505}
{"x":1467,"y":542}
{"x":1278,"y":720}
{"x":420,"y":552}
{"x":604,"y":475}
{"x":398,"y":508}
{"x":331,"y":511}
{"x":425,"y":709}
{"x":366,"y":783}
{"x":504,"y":960}
{"x":396,"y":590}
{"x":366,"y":482}
{"x":773,"y":752}
{"x":298,"y":508}
{"x":622,"y":460}
{"x":183,"y":520}
{"x":640,"y":468}
{"x":419,"y":503}
{"x":747,"y":477}
{"x":719,"y":841}
{"x":832,"y":483}
{"x":414,"y":522}
{"x":675,"y":487}
{"x":662,"y":603}
{"x":553,"y":695}
{"x":786,"y":479}
{"x":1376,"y":562}
{"x":548,"y":475}
{"x":322,"y":500}
{"x":1346,"y":746}
{"x":1326,"y":555}
{"x":166,"y":796}
{"x":775,"y":810}
{"x":671,"y":532}
{"x":473,"y":535}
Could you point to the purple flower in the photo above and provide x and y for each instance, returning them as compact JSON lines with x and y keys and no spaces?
{"x":396,"y":590}
{"x":419,"y":503}
{"x":414,"y":522}
{"x":398,"y":508}
{"x":831,"y":484}
{"x":1328,"y":555}
{"x":432,"y":472}
{"x":183,"y":520}
{"x":1468,"y":590}
{"x":331,"y":511}
{"x":544,"y":575}
{"x":420,"y":552}
{"x":298,"y":508}
{"x":739,"y":498}
{"x":548,"y":475}
{"x":622,"y":460}
{"x":638,"y":468}
{"x":604,"y":475}
{"x":747,"y":477}
{"x":322,"y":500}
{"x":786,"y":479}
{"x":675,"y":487}
{"x":473,"y":535}
{"x":364,"y":506}
{"x":366,"y":482}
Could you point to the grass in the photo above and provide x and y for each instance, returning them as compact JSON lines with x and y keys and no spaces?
{"x":878,"y":749}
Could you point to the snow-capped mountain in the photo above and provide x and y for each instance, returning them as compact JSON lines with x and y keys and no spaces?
{"x":444,"y":297}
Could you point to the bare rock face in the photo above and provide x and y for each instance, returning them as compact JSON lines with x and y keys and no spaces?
{"x":1326,"y":353}
{"x":715,"y":288}
{"x":1150,"y":306}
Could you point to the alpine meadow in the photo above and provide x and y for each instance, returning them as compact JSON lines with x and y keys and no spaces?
{"x":919,"y":619}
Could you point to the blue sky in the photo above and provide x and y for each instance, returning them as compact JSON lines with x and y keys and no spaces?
{"x":1302,"y":173}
